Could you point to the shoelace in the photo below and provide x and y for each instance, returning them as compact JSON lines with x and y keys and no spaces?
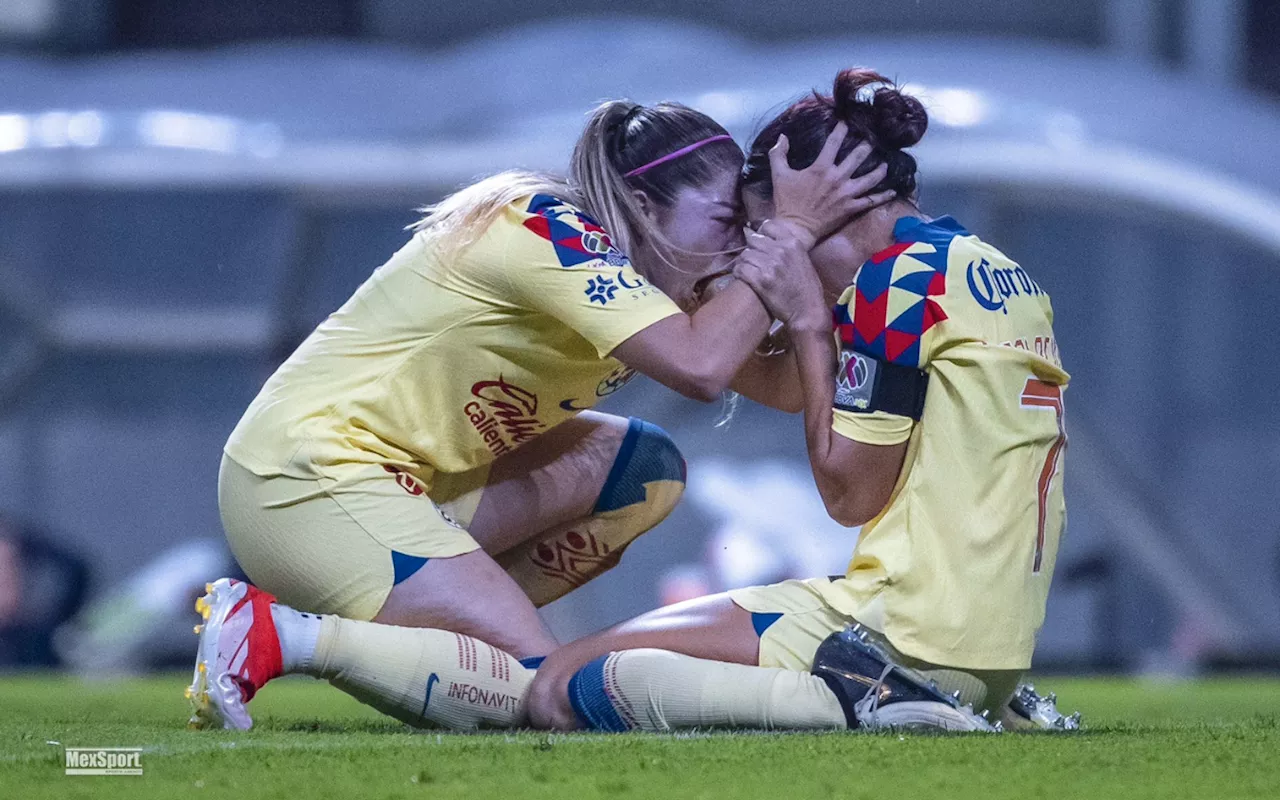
{"x":876,"y":687}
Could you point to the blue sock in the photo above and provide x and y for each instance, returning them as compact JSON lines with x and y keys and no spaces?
{"x":532,"y":662}
{"x":591,"y":703}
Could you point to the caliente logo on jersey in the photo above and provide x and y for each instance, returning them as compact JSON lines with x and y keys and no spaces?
{"x":504,"y":414}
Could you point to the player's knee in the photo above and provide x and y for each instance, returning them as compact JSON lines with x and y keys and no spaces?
{"x":548,"y":701}
{"x":649,"y":470}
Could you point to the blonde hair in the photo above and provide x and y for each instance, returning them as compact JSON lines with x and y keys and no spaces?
{"x":619,"y":136}
{"x":459,"y":219}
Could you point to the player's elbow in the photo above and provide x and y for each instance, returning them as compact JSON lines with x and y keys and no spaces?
{"x":848,"y":514}
{"x":852,"y":506}
{"x":702,"y":379}
{"x":703,"y":392}
{"x":702,"y":395}
{"x":851,"y":515}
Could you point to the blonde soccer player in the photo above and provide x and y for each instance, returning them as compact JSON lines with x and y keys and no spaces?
{"x":933,"y":416}
{"x":426,"y":468}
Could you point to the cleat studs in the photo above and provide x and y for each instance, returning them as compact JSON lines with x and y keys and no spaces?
{"x":202,"y":668}
{"x":956,"y":695}
{"x":188,"y":693}
{"x":986,"y":712}
{"x":208,"y":587}
{"x":197,"y":629}
{"x":998,"y":727}
{"x":1053,"y":698}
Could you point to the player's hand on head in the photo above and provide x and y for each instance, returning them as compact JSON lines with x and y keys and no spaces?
{"x":780,"y":272}
{"x":819,"y":199}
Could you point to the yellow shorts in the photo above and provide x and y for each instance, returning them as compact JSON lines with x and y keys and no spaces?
{"x":338,"y":545}
{"x":793,"y":618}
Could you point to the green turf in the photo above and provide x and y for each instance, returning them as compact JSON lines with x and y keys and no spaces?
{"x":1212,"y":739}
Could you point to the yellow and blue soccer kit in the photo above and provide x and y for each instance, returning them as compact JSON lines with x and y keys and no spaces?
{"x":955,"y":570}
{"x":366,"y":452}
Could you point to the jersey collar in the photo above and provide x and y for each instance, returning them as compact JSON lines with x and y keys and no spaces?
{"x":915,"y":229}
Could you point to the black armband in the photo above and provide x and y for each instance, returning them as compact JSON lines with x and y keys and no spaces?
{"x":865,"y":384}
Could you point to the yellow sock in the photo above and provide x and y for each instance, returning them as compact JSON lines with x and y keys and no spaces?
{"x":657,"y":690}
{"x":423,"y":676}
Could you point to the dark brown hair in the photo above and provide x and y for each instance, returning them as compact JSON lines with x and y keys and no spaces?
{"x":875,"y":110}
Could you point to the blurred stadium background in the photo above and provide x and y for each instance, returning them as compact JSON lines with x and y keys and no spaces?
{"x":188,"y":186}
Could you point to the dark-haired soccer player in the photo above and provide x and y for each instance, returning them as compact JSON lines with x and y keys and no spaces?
{"x":934,"y":415}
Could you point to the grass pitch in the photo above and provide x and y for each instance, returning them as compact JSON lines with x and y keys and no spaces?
{"x":1218,"y":739}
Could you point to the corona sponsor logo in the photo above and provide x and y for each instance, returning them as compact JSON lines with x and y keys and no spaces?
{"x":994,"y":287}
{"x":504,"y":415}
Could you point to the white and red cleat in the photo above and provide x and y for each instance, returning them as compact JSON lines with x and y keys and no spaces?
{"x":239,"y":652}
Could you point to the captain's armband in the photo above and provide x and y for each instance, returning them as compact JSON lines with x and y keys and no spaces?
{"x":865,"y":384}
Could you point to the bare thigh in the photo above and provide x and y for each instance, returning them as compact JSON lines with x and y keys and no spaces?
{"x":553,"y":479}
{"x":713,"y":628}
{"x":472,"y":595}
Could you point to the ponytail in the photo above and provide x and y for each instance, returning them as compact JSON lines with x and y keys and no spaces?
{"x":459,"y":219}
{"x":622,"y":137}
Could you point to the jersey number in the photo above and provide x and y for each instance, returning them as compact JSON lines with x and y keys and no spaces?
{"x":1036,"y":395}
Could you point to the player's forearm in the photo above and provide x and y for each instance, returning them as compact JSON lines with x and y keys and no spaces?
{"x":698,"y":355}
{"x":723,"y":336}
{"x":854,"y":479}
{"x":833,"y":473}
{"x":771,"y":381}
{"x":815,"y":360}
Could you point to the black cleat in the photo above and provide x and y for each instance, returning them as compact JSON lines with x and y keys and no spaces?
{"x":876,"y":693}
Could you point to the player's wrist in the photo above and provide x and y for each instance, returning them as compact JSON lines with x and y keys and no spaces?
{"x":809,"y":327}
{"x":799,"y":230}
{"x":811,"y":316}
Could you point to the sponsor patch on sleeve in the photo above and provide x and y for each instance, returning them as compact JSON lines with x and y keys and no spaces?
{"x":855,"y":380}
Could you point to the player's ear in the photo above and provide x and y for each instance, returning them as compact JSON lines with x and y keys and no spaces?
{"x":646,"y":204}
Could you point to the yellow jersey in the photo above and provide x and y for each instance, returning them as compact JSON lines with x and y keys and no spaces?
{"x":956,"y":568}
{"x":444,"y":364}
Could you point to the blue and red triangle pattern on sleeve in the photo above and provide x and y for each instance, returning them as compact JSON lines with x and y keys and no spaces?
{"x":573,"y":245}
{"x":893,"y":305}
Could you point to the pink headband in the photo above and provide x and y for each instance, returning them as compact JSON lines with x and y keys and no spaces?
{"x":683,"y":151}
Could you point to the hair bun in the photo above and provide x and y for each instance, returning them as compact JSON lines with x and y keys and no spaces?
{"x":865,"y":99}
